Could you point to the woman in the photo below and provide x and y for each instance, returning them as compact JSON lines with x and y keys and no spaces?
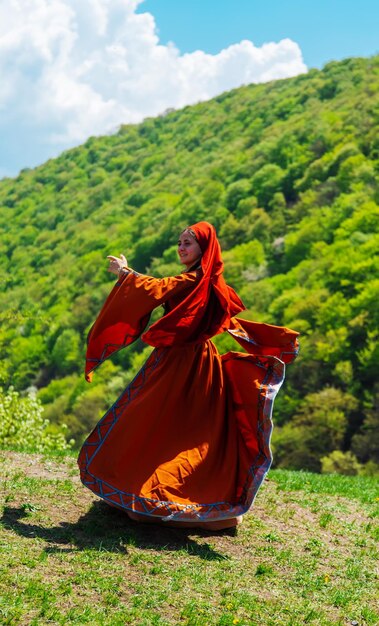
{"x":187,"y":442}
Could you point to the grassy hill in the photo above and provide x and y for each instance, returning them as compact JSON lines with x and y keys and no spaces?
{"x":305,"y":554}
{"x":288,"y":173}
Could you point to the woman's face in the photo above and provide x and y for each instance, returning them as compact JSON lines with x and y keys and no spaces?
{"x":188,"y":249}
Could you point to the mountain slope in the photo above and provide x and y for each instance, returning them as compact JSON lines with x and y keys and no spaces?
{"x":288,"y":174}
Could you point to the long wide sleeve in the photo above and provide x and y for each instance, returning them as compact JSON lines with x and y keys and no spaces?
{"x":265,"y":339}
{"x":126,"y":312}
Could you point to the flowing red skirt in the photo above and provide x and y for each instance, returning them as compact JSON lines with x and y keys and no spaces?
{"x":189,"y":438}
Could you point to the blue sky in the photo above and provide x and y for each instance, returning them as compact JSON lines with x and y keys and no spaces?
{"x":71,"y":69}
{"x":324,"y":29}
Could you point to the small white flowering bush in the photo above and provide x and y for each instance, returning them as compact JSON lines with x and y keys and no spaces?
{"x":22,"y":426}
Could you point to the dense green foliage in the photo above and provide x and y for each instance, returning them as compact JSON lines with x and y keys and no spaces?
{"x":288,"y":173}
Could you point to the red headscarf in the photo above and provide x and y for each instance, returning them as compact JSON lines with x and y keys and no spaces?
{"x":208,"y":308}
{"x":206,"y":311}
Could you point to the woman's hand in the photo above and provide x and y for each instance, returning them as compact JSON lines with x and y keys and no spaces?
{"x":116,"y":264}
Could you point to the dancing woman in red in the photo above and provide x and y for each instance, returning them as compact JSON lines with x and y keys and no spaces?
{"x":188,"y":441}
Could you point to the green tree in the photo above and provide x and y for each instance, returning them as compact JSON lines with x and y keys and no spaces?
{"x":23,"y":427}
{"x":236,"y":192}
{"x":66,"y":352}
{"x":317,"y":429}
{"x":266,"y":182}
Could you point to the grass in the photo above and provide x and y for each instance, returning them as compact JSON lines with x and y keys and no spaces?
{"x":305,"y":554}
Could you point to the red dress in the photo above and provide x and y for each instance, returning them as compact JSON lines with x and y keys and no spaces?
{"x":189,"y":438}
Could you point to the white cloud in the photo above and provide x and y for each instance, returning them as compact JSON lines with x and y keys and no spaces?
{"x":70,"y":69}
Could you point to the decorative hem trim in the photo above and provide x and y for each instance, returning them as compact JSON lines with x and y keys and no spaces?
{"x":171,"y":510}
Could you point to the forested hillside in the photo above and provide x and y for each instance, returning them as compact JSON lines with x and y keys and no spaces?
{"x":288,"y":173}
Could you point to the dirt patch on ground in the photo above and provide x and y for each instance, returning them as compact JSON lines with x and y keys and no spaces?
{"x":78,"y":512}
{"x":38,"y":466}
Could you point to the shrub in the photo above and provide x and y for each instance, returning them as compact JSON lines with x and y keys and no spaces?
{"x":22,"y":426}
{"x":340,"y":463}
